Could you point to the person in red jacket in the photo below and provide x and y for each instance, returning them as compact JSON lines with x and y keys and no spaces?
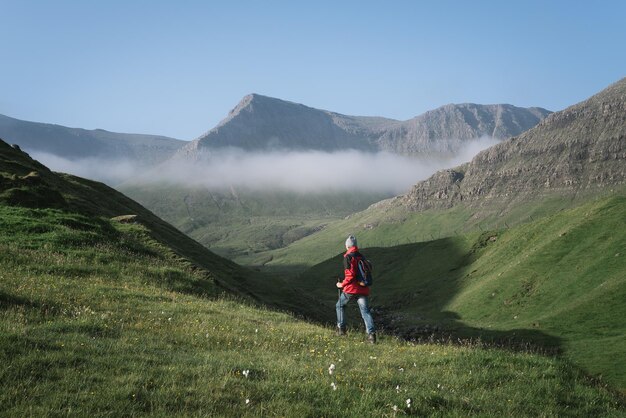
{"x":351,"y":289}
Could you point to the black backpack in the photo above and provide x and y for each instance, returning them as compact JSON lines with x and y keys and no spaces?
{"x":363,"y":269}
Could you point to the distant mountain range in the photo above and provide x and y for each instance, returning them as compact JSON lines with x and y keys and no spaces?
{"x":76,"y":143}
{"x":573,"y":151}
{"x":264,"y":123}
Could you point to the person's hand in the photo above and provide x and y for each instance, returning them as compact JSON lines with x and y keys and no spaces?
{"x":339,"y":285}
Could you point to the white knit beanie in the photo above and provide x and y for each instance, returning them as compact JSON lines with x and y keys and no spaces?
{"x":351,"y":241}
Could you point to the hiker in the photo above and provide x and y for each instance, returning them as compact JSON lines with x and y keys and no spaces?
{"x":351,"y":289}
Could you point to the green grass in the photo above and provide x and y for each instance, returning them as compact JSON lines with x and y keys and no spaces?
{"x":103,"y":317}
{"x":26,"y":183}
{"x":384,"y":225}
{"x":247,"y":225}
{"x":98,"y":318}
{"x":557,"y":282}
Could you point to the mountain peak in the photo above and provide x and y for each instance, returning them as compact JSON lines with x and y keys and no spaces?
{"x":253,"y":102}
{"x":256,"y":98}
{"x":261,"y":122}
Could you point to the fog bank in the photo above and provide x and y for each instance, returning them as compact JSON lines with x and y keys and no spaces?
{"x":110,"y":171}
{"x":306,"y":171}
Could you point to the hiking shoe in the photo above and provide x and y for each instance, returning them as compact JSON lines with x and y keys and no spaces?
{"x":371,"y":338}
{"x":341,"y":331}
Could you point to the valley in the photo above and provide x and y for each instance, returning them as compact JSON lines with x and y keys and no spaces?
{"x":313,"y":209}
{"x":104,"y":309}
{"x":509,"y":265}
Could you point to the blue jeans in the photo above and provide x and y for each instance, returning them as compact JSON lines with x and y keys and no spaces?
{"x":364,"y":307}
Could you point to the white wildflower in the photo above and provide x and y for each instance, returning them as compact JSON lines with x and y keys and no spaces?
{"x":408,"y":403}
{"x":398,"y":388}
{"x":401,"y":369}
{"x":331,"y":369}
{"x":395,"y":408}
{"x":246,"y":373}
{"x":373,"y":358}
{"x":333,"y":385}
{"x":247,"y":401}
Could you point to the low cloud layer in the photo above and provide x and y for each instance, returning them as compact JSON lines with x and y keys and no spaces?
{"x":306,"y":171}
{"x":110,"y":171}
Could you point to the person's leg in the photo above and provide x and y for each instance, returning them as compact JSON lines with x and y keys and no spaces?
{"x":341,"y":317}
{"x":364,"y":307}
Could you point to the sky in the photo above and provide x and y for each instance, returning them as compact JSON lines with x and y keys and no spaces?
{"x":176,"y":68}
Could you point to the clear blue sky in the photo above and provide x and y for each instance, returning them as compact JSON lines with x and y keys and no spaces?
{"x":177,"y":67}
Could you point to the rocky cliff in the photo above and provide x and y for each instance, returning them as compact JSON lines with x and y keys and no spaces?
{"x":579,"y":149}
{"x":446,"y":128}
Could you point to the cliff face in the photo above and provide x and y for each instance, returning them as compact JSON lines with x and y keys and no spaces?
{"x":446,"y":128}
{"x":262,"y":123}
{"x":580,"y":148}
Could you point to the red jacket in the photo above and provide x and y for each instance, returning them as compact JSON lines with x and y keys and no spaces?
{"x":349,"y":283}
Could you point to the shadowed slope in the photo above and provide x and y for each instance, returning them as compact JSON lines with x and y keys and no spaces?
{"x":557,"y":281}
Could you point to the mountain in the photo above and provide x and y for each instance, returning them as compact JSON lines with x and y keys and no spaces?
{"x":75,"y":143}
{"x":577,"y":150}
{"x":444,"y":129}
{"x":573,"y":156}
{"x":261,"y":123}
{"x":243,"y":222}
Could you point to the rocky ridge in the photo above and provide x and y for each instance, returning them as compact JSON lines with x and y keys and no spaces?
{"x":264,"y":123}
{"x":575,"y":150}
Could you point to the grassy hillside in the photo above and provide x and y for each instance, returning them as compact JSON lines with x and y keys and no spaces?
{"x":385,"y":225}
{"x":25,"y":182}
{"x":246,"y":225}
{"x":117,"y":315}
{"x":558,"y":281}
{"x":98,"y":318}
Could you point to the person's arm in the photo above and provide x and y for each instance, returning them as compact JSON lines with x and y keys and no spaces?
{"x":348,"y":271}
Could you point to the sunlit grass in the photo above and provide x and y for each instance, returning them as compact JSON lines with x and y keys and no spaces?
{"x":121,"y":326}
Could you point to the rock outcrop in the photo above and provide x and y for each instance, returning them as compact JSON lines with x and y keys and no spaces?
{"x":578,"y":149}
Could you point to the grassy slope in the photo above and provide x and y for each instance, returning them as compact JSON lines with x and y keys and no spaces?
{"x":244,"y":225}
{"x":25,"y":182}
{"x":558,"y":281}
{"x":382,"y":226}
{"x":98,"y":318}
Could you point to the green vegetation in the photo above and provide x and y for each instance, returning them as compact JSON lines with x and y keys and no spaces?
{"x":24,"y":182}
{"x":558,"y":282}
{"x":246,"y":225}
{"x":98,"y":318}
{"x":384,"y":225}
{"x":107,"y":310}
